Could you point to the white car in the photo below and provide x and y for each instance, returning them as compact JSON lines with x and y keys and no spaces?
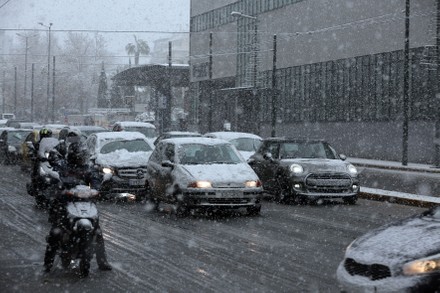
{"x":402,"y":256}
{"x":147,"y":129}
{"x":201,"y":172}
{"x":121,"y":159}
{"x":246,"y":143}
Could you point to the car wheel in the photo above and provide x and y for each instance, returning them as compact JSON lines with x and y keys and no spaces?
{"x":254,"y":211}
{"x":350,"y":200}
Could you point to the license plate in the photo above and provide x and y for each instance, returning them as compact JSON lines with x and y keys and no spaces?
{"x":136,"y":182}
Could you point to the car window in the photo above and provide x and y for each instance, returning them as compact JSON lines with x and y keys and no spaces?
{"x":246,"y":144}
{"x":148,"y":132}
{"x":138,"y":145}
{"x":208,"y":154}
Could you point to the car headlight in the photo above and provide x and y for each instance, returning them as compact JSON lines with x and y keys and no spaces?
{"x":296,"y":168}
{"x":12,"y":149}
{"x":200,"y":184}
{"x":252,"y":183}
{"x":352,"y":169}
{"x":107,"y":170}
{"x":422,"y":266}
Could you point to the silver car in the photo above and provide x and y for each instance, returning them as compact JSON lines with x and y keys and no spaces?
{"x":199,"y":172}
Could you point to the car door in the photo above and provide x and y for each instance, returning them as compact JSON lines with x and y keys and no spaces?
{"x":154,"y":171}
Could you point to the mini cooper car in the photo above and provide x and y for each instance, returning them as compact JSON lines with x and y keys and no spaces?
{"x":200,"y":172}
{"x":402,"y":256}
{"x":304,"y":170}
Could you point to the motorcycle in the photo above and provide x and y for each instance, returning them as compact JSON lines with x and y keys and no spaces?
{"x":79,"y":225}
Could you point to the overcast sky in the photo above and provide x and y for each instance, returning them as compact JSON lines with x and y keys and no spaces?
{"x":126,"y":15}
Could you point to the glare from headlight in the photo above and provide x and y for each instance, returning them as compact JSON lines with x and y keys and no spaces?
{"x":297,"y":169}
{"x":352,"y":169}
{"x":11,"y":149}
{"x":422,"y":266}
{"x":252,"y":183}
{"x":200,"y":184}
{"x":107,"y":170}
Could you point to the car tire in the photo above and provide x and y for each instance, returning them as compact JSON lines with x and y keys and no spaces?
{"x":350,"y":200}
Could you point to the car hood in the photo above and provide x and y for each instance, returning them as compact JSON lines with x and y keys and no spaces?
{"x":398,"y":243}
{"x":123,"y":158}
{"x":318,"y":165}
{"x":221,"y":174}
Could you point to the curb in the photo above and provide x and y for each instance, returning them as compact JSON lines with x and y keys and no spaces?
{"x":399,"y":198}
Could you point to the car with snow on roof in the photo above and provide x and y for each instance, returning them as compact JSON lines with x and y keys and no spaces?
{"x":202,"y":173}
{"x":246,"y":143}
{"x":120,"y":158}
{"x":147,"y":129}
{"x":402,"y":256}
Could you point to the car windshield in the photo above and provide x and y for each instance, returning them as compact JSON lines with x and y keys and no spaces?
{"x":246,"y":144}
{"x":15,"y":137}
{"x":292,"y":150}
{"x":207,"y":154}
{"x":138,"y":145}
{"x":148,"y":132}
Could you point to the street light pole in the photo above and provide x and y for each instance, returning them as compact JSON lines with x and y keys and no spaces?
{"x":25,"y":62}
{"x":406,"y":88}
{"x":48,"y":69}
{"x":274,"y":89}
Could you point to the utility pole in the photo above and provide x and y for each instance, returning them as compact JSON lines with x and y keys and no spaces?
{"x":32,"y":92}
{"x":15,"y":90}
{"x":3,"y":92}
{"x":53,"y":91}
{"x":406,"y":88}
{"x":211,"y":100}
{"x":274,"y":87}
{"x":48,"y":69}
{"x":437,"y":93}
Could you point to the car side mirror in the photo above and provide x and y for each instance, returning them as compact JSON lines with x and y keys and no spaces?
{"x":343,"y":157}
{"x":167,"y":164}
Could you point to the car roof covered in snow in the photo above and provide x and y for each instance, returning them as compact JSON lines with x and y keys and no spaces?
{"x":195,"y":140}
{"x":135,"y":124}
{"x":119,"y":135}
{"x":229,"y":135}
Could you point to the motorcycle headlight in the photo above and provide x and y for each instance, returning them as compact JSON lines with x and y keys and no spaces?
{"x":296,"y":169}
{"x":12,"y":149}
{"x":352,"y":169}
{"x":252,"y":183}
{"x":422,"y":266}
{"x":200,"y":184}
{"x":107,"y":170}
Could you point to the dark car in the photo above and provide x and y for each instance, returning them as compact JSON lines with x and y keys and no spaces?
{"x":403,"y":256}
{"x":304,"y":170}
{"x":10,"y":144}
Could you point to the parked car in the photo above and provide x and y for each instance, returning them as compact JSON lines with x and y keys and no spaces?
{"x":120,"y":158}
{"x":10,"y":145}
{"x":200,"y":172}
{"x":173,"y":134}
{"x":246,"y":143}
{"x":402,"y":256}
{"x":304,"y":170}
{"x":147,"y":129}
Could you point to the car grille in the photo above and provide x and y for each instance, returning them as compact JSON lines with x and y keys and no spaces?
{"x":328,"y":182}
{"x":373,"y":272}
{"x":132,"y":173}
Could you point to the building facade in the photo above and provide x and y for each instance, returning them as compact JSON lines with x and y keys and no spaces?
{"x":339,"y":72}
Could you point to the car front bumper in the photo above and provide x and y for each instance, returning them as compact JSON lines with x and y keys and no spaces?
{"x":420,"y":283}
{"x":222,"y":198}
{"x":121,"y":185}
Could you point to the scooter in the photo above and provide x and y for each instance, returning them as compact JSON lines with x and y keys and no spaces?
{"x":80,"y":226}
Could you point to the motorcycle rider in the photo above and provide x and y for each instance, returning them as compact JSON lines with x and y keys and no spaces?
{"x":76,"y":167}
{"x":45,"y":143}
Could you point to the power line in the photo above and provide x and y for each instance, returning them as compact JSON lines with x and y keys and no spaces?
{"x":5,"y":3}
{"x":95,"y":31}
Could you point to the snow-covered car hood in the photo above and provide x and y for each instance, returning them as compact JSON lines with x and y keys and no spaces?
{"x":123,"y":158}
{"x":398,"y":243}
{"x":219,"y":174}
{"x":318,"y":165}
{"x":246,"y":155}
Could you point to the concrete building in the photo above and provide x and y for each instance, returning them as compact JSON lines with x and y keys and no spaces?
{"x":339,"y":72}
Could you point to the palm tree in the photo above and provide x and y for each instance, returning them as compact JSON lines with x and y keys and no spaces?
{"x":137,"y":48}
